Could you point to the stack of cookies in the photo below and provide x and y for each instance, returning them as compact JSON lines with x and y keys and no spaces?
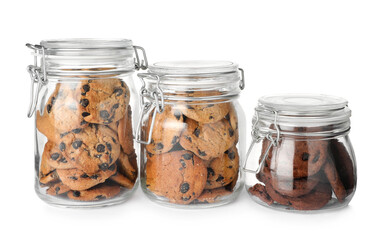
{"x":89,"y":153}
{"x":303,"y":174}
{"x":192,"y":157}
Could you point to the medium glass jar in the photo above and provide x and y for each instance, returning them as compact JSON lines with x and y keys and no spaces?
{"x":192,"y":139}
{"x":302,"y":153}
{"x":85,"y":104}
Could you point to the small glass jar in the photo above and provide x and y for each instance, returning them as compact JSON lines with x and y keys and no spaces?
{"x":302,"y":153}
{"x":85,"y":104}
{"x":192,"y":142}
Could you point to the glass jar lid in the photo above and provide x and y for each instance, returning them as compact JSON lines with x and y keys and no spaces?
{"x":293,"y":113}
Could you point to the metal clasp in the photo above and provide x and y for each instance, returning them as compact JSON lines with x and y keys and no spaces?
{"x":140,"y":64}
{"x":257,"y":137}
{"x":156,"y":102}
{"x":38,"y":76}
{"x":242,"y":82}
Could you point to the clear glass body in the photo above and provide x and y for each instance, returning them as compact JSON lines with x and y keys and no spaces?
{"x":85,"y":155}
{"x":304,"y":171}
{"x":195,"y":151}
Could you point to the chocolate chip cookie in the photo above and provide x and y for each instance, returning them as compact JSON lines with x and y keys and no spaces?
{"x":96,"y":193}
{"x":168,"y":126}
{"x":103,"y":101}
{"x":207,"y":140}
{"x":54,"y":156}
{"x":93,"y":148}
{"x":125,"y":132}
{"x":212,"y":195}
{"x":179,"y":176}
{"x":222,"y":170}
{"x":76,"y":179}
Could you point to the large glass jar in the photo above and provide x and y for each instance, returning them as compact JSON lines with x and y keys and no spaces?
{"x":302,"y":153}
{"x":85,"y":104}
{"x":192,"y":133}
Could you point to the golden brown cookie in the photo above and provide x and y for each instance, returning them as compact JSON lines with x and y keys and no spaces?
{"x":49,"y":178}
{"x":96,"y":193}
{"x":62,"y":108}
{"x":222,"y":170}
{"x":126,"y":167}
{"x":125,"y":132}
{"x":103,"y":101}
{"x":76,"y":179}
{"x":209,"y":140}
{"x":45,"y":167}
{"x":93,"y":148}
{"x":259,"y":191}
{"x":212,"y":195}
{"x":232,"y":118}
{"x":57,"y":189}
{"x":168,"y":126}
{"x":54,"y":156}
{"x":122,"y":180}
{"x":44,"y":126}
{"x":179,"y":176}
{"x":204,"y":111}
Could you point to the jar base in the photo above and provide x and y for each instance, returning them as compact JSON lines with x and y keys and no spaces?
{"x":332,"y":205}
{"x":68,"y":203}
{"x":164,"y":202}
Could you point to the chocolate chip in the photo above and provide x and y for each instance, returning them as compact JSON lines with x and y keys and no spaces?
{"x":110,"y":159}
{"x":210,"y":172}
{"x":84,"y":102}
{"x":184,"y":187}
{"x":231,"y":132}
{"x":174,"y":140}
{"x":115,"y":106}
{"x":73,"y":178}
{"x":202,"y":153}
{"x":159,"y":146}
{"x":187,"y":156}
{"x":83,"y":122}
{"x":84,"y":175}
{"x":231,"y":155}
{"x":99,"y":197}
{"x":186,"y":198}
{"x":103,"y":166}
{"x":183,"y":163}
{"x":114,"y":140}
{"x":305,"y":156}
{"x":63,"y":160}
{"x":55,"y":156}
{"x":104,"y":114}
{"x":118,"y":91}
{"x":49,"y":106}
{"x":57,"y":189}
{"x":97,"y":155}
{"x":95,"y":176}
{"x":86,"y":87}
{"x":316,"y":158}
{"x":220,"y":178}
{"x":109,"y":146}
{"x":100,"y":148}
{"x":111,"y":168}
{"x":85,"y":114}
{"x":196,"y":132}
{"x":62,"y":146}
{"x":227,"y":117}
{"x":77,"y":143}
{"x":76,"y":194}
{"x":149,"y":154}
{"x":190,"y":107}
{"x":211,"y":117}
{"x":77,"y":130}
{"x":188,"y":138}
{"x":177,"y":115}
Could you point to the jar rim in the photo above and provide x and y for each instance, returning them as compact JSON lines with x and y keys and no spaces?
{"x":86,"y":43}
{"x":193,"y":67}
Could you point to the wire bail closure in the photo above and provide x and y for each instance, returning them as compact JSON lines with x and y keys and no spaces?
{"x":156,"y":102}
{"x":257,"y":137}
{"x":242,"y":82}
{"x":38,"y":76}
{"x":143,"y":63}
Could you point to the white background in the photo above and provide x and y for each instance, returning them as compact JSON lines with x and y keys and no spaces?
{"x":332,"y":47}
